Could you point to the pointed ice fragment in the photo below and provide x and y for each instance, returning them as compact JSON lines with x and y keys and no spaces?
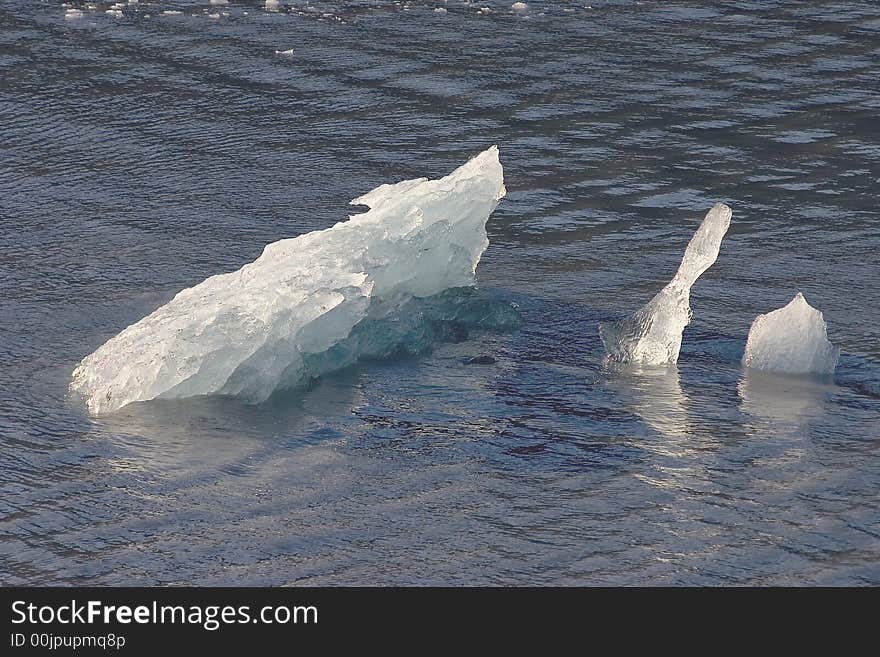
{"x":262,"y":327}
{"x":791,"y":340}
{"x":652,"y":335}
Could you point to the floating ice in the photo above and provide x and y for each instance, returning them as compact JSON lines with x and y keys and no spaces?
{"x":272,"y":5}
{"x":519,"y":6}
{"x":440,"y":10}
{"x":791,"y":340}
{"x":286,"y":53}
{"x":652,"y":335}
{"x":73,"y":14}
{"x":306,"y":305}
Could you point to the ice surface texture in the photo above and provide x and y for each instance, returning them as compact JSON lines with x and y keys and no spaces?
{"x":791,"y":340}
{"x":289,"y":315}
{"x":652,"y":335}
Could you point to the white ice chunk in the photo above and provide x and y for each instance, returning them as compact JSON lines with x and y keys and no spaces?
{"x":440,"y":10}
{"x":254,"y":330}
{"x":519,"y":7}
{"x":286,"y":53}
{"x":272,"y":5}
{"x":652,"y":335}
{"x":791,"y":340}
{"x":72,"y":14}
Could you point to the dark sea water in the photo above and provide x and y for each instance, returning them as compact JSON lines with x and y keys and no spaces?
{"x":142,"y":153}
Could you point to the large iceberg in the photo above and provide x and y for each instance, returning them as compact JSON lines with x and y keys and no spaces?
{"x":652,"y":335}
{"x":299,"y":310}
{"x":791,"y":340}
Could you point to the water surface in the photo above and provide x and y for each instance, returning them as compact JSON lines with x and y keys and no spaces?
{"x":142,"y":153}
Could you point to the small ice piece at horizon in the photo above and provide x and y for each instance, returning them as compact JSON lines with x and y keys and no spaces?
{"x":519,"y":6}
{"x":652,"y":335}
{"x":286,"y":53}
{"x":72,"y":14}
{"x":440,"y":10}
{"x":219,"y":2}
{"x":791,"y":340}
{"x":304,"y":300}
{"x":272,"y":5}
{"x":172,"y":12}
{"x":116,"y":13}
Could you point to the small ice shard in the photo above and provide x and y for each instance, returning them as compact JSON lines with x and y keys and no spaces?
{"x":286,"y":53}
{"x":652,"y":335}
{"x":791,"y":340}
{"x":272,"y":5}
{"x":219,"y":2}
{"x":172,"y":12}
{"x":519,"y":7}
{"x":299,"y":310}
{"x":116,"y":13}
{"x":72,"y":14}
{"x":440,"y":10}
